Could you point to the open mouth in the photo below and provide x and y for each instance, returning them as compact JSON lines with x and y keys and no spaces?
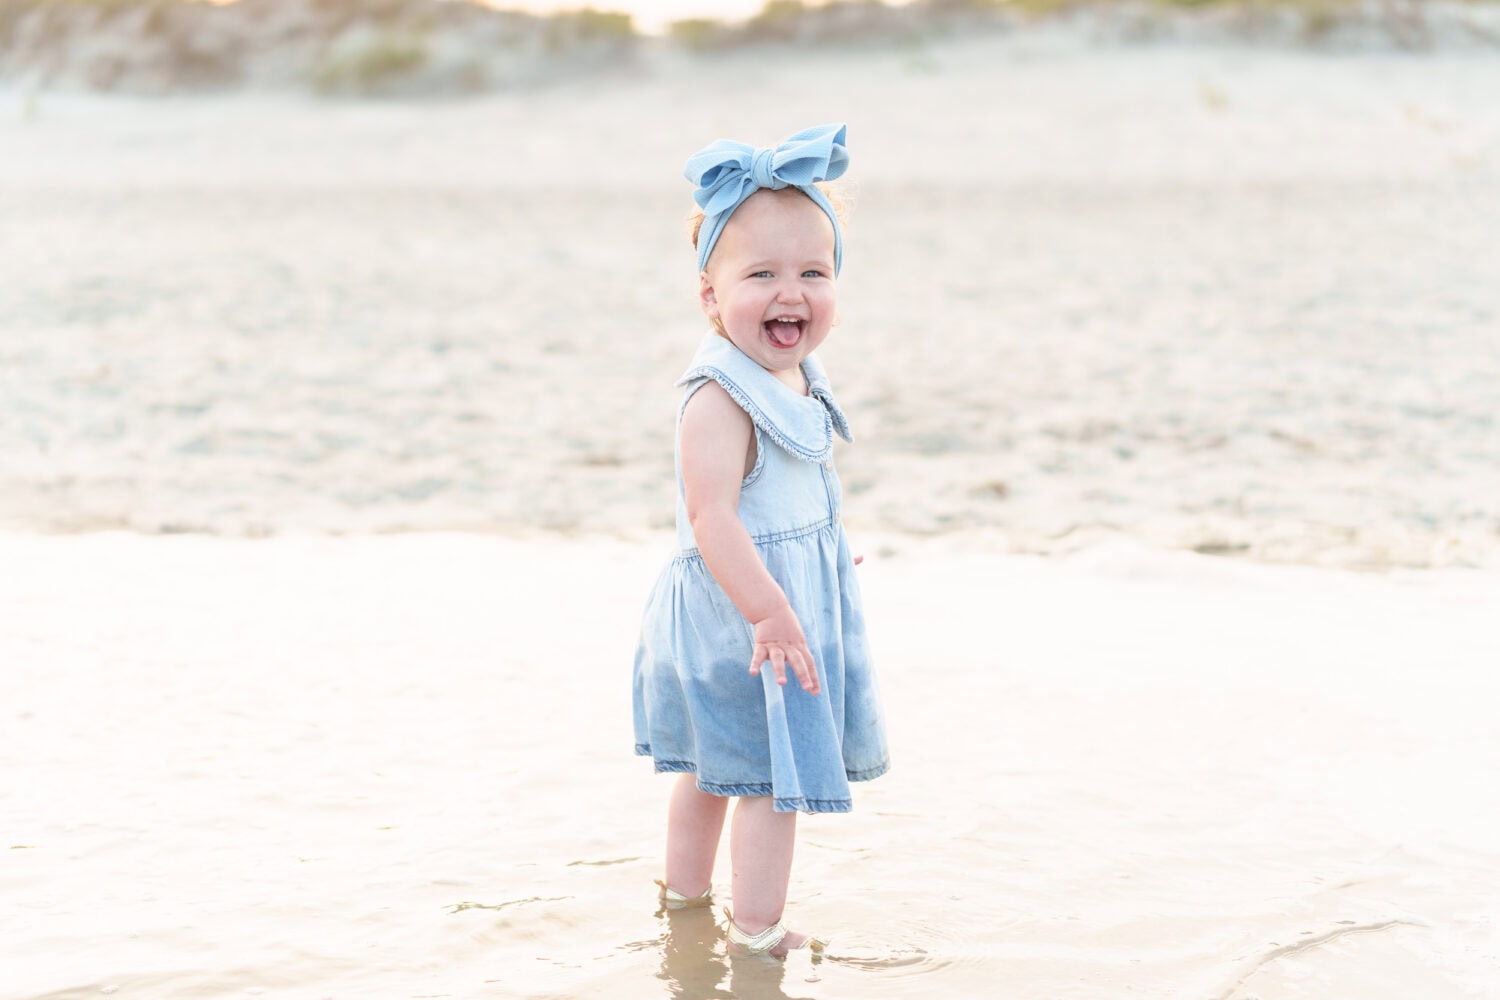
{"x":784,"y":332}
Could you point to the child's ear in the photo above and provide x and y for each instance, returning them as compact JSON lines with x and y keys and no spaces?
{"x":706,"y":297}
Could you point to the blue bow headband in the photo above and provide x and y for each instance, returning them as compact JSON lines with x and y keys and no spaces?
{"x":727,"y":172}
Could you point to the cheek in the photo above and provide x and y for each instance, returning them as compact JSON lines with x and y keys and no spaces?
{"x":748,"y":308}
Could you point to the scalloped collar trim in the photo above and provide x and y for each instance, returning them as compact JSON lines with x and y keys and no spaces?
{"x":802,"y":425}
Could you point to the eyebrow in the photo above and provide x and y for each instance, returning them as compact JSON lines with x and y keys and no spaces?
{"x":765,"y":265}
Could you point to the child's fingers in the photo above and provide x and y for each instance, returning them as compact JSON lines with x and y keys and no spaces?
{"x":806,"y":670}
{"x":775,"y":655}
{"x":778,"y":664}
{"x":781,"y":657}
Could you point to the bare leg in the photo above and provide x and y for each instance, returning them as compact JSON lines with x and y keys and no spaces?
{"x":694,"y":822}
{"x":761,"y":843}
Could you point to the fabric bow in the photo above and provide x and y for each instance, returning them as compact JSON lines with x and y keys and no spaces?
{"x":727,"y":172}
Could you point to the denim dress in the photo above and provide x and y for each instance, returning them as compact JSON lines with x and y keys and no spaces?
{"x":697,"y":708}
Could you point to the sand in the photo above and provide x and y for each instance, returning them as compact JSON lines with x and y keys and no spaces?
{"x":335,"y":468}
{"x":1231,"y":300}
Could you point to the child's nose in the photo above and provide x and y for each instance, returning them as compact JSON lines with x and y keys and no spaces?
{"x":789,"y":291}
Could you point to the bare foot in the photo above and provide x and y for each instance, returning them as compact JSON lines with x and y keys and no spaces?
{"x":793,"y":941}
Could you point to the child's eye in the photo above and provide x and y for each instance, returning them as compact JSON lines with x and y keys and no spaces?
{"x":761,"y":274}
{"x":812,"y":274}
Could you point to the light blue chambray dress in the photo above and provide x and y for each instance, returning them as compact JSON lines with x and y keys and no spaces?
{"x":697,"y":708}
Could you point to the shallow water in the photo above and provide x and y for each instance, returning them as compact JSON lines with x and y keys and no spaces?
{"x":400,"y":767}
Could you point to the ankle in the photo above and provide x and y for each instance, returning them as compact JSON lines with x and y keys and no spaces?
{"x":772,"y":939}
{"x":687,"y":890}
{"x":751,"y":924}
{"x":674,"y":899}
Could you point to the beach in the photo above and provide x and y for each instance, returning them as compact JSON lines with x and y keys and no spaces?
{"x":336,"y":466}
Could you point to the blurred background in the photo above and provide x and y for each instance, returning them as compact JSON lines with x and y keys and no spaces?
{"x":1219,"y":276}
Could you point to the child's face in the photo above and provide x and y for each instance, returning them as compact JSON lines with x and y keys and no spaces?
{"x":770,"y":283}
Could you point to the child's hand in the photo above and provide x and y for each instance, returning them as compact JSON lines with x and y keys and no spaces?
{"x":779,"y":638}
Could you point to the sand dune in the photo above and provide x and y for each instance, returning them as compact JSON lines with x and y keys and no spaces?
{"x":458,"y":47}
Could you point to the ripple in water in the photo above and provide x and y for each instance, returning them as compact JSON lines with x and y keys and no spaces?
{"x":894,"y":939}
{"x":911,"y":946}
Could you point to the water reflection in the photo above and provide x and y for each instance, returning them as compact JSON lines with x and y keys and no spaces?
{"x":696,"y":965}
{"x":692,"y":955}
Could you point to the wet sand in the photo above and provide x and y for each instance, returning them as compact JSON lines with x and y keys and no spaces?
{"x":401,"y":767}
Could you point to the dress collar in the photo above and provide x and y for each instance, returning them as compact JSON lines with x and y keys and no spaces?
{"x":802,"y":425}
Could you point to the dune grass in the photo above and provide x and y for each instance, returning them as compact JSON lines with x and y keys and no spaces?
{"x":371,"y":46}
{"x":386,"y":58}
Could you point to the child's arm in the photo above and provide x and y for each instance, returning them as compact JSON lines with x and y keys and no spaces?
{"x":715,"y":438}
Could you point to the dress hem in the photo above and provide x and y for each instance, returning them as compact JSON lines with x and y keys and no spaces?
{"x":764,"y":789}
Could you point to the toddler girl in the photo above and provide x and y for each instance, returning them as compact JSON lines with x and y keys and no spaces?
{"x":764,"y":577}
